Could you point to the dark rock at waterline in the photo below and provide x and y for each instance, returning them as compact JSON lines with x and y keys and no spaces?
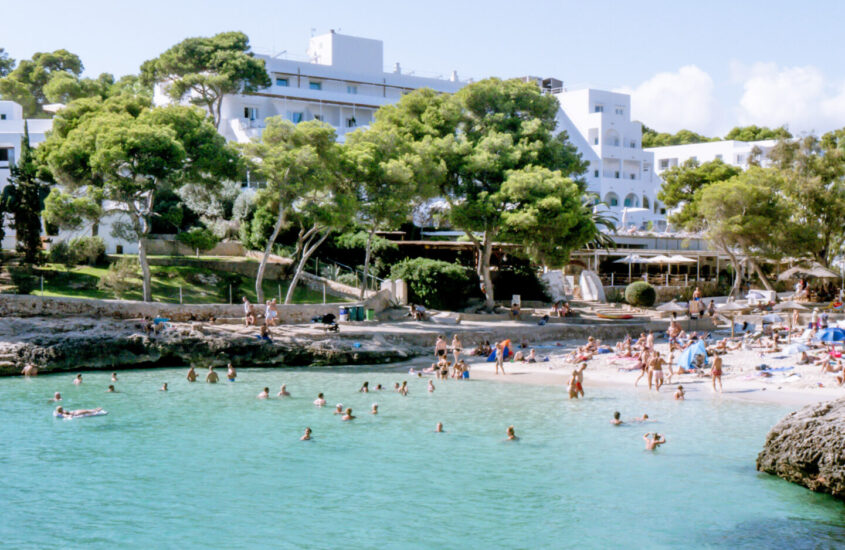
{"x":808,"y":447}
{"x":82,"y":344}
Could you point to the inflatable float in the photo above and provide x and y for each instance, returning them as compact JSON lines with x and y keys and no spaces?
{"x":492,"y":356}
{"x":614,"y":316}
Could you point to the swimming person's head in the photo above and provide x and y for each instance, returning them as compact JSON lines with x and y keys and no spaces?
{"x":439,"y":427}
{"x":616,"y":415}
{"x":60,"y":410}
{"x":320,"y":395}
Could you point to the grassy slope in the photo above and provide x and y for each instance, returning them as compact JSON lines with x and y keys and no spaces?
{"x":81,"y":282}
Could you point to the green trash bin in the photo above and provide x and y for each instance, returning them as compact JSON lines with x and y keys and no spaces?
{"x":356,"y":313}
{"x":371,"y":315}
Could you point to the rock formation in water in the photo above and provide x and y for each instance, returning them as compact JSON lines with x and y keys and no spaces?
{"x":808,"y":447}
{"x":56,"y":345}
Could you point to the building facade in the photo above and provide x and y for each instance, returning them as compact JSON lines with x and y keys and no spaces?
{"x":620,"y":172}
{"x":342,"y":82}
{"x":736,"y":153}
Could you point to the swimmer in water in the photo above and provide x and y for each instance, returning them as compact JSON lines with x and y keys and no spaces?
{"x":404,"y":389}
{"x":439,"y":428}
{"x":396,"y":387}
{"x":379,"y":387}
{"x":348,"y":415}
{"x":430,"y":386}
{"x":192,"y":375}
{"x":114,"y":377}
{"x":338,"y":409}
{"x":653,"y":442}
{"x":375,"y":409}
{"x":163,"y":387}
{"x":56,"y":397}
{"x":307,"y":435}
{"x":79,"y":412}
{"x":283,"y":392}
{"x":264,"y":394}
{"x":231,"y":374}
{"x":643,"y":418}
{"x":616,"y":420}
{"x":679,"y":395}
{"x":511,"y":434}
{"x":365,"y":388}
{"x":211,"y":377}
{"x":320,"y":401}
{"x":111,"y":389}
{"x":78,"y":380}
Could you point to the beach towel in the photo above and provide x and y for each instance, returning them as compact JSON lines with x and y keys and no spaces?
{"x":686,"y":359}
{"x":492,"y":357}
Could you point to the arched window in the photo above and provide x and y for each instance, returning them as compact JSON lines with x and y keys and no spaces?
{"x":632,"y":200}
{"x":611,"y":199}
{"x":645,"y":202}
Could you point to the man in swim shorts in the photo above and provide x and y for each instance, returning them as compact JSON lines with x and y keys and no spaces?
{"x":231,"y":374}
{"x":656,"y":365}
{"x":211,"y":377}
{"x":440,"y":347}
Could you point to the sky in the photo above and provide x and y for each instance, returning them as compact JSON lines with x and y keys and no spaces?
{"x":705,"y":65}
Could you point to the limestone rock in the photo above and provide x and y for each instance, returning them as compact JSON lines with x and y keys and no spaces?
{"x":808,"y":447}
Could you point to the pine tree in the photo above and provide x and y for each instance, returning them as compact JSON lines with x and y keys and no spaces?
{"x":26,"y":202}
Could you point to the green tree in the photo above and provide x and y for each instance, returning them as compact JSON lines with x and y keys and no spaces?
{"x":7,"y":64}
{"x":129,"y":154}
{"x":652,"y":138}
{"x":390,"y":180}
{"x":681,"y":183}
{"x":814,"y":189}
{"x":301,"y":165}
{"x":27,"y":202}
{"x":757,"y":133}
{"x":25,"y":84}
{"x":204,"y":70}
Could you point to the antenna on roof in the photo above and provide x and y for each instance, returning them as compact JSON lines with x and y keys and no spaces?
{"x":276,"y":55}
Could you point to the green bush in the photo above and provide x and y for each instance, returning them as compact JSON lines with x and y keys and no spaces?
{"x":198,"y":238}
{"x":614,"y":296}
{"x":640,"y":294}
{"x":349,"y":279}
{"x":434,"y":283}
{"x":60,"y":254}
{"x":25,"y":279}
{"x":87,"y":250}
{"x":117,"y":278}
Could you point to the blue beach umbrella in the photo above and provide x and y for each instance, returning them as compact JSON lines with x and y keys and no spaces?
{"x":832,"y":334}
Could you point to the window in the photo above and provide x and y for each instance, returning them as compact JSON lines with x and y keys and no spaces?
{"x":296,"y":117}
{"x":595,"y":173}
{"x":619,"y":110}
{"x":664,"y":164}
{"x":4,"y":155}
{"x":632,"y":200}
{"x":352,"y":89}
{"x":616,"y":175}
{"x":118,"y":249}
{"x":351,"y":123}
{"x":633,"y":144}
{"x":250,"y":113}
{"x":281,"y":81}
{"x":611,"y":199}
{"x":633,"y":176}
{"x":599,"y":108}
{"x":718,"y":157}
{"x":3,"y":116}
{"x":694,"y":158}
{"x":595,"y":141}
{"x":315,"y":85}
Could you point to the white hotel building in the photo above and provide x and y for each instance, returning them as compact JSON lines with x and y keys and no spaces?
{"x":736,"y":153}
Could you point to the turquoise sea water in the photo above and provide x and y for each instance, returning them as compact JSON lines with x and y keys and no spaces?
{"x":210,"y":466}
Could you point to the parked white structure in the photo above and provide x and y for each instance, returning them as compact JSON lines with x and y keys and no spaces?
{"x":736,"y":153}
{"x":342,"y":82}
{"x":620,"y":172}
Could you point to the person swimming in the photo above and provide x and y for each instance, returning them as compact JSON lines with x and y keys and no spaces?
{"x":365,"y":388}
{"x":511,"y":434}
{"x":379,"y":387}
{"x":348,"y":415}
{"x":653,"y":442}
{"x":375,"y":409}
{"x":231,"y":374}
{"x":307,"y":435}
{"x":78,"y":380}
{"x":111,"y":389}
{"x":320,"y":401}
{"x":163,"y":387}
{"x":404,"y":389}
{"x":338,"y":409}
{"x":192,"y":375}
{"x":56,"y":397}
{"x":265,"y":393}
{"x":439,"y":428}
{"x":616,"y":421}
{"x":114,"y":377}
{"x":643,"y":418}
{"x":283,"y":392}
{"x":79,"y":412}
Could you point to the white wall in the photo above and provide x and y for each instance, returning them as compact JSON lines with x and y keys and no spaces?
{"x":731,"y":152}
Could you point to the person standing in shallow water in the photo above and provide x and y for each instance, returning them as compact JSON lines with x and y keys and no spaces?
{"x":307,"y":435}
{"x":192,"y":375}
{"x":511,"y":434}
{"x":654,"y":441}
{"x":231,"y":374}
{"x":211,"y":377}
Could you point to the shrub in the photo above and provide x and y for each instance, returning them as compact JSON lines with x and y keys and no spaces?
{"x":117,"y":278}
{"x":641,"y":294}
{"x":614,"y":296}
{"x":434,"y":283}
{"x":87,"y":250}
{"x":25,"y":279}
{"x":60,"y":254}
{"x":349,"y":279}
{"x":198,"y":238}
{"x":518,"y":279}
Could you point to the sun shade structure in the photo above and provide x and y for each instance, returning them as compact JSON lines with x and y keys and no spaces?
{"x":671,"y":306}
{"x":677,"y":259}
{"x":817,"y":271}
{"x":790,"y":306}
{"x":733,"y":308}
{"x":833,"y":334}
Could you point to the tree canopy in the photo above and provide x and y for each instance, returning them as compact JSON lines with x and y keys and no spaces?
{"x":682,"y":183}
{"x":26,"y":83}
{"x":205,"y":69}
{"x":6,"y":63}
{"x":757,"y":133}
{"x":652,"y":138}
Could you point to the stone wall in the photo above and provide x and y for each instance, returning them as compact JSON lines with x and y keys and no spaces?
{"x":169,"y":246}
{"x":13,"y":305}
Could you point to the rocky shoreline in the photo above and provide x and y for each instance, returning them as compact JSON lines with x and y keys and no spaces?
{"x":807,"y":447}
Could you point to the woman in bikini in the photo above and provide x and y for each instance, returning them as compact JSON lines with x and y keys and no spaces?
{"x":457,"y":348}
{"x":716,"y":373}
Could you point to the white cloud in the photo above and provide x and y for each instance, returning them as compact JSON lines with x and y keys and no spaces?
{"x":671,"y":101}
{"x":799,"y":97}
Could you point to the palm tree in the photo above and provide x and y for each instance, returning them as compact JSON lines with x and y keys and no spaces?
{"x":601,"y":220}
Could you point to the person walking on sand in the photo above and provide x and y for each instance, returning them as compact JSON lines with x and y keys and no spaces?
{"x":211,"y":377}
{"x":653,"y":441}
{"x":716,"y":373}
{"x":500,"y":357}
{"x":656,"y":367}
{"x":457,"y":348}
{"x":192,"y":375}
{"x":440,"y":347}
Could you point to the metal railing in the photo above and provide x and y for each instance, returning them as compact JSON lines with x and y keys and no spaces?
{"x":334,"y":271}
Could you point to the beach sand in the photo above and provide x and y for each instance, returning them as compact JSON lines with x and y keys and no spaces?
{"x":800,"y":386}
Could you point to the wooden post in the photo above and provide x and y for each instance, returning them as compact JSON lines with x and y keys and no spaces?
{"x":697,"y":268}
{"x":180,"y":294}
{"x":230,"y":294}
{"x":324,"y":292}
{"x":280,"y":293}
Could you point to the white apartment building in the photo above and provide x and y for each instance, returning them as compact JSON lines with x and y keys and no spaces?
{"x":736,"y":153}
{"x":620,"y":172}
{"x":342,"y":82}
